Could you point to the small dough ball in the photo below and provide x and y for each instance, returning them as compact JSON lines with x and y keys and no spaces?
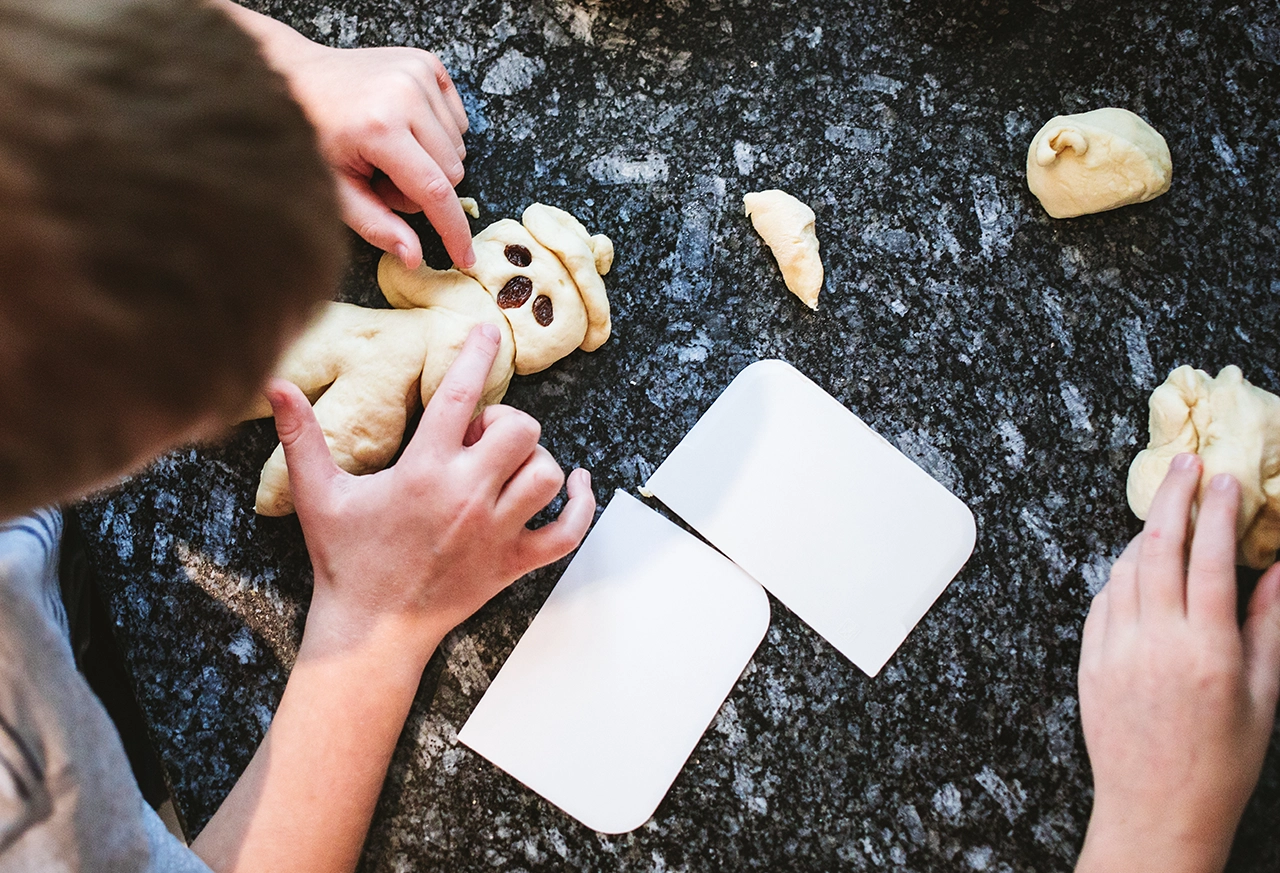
{"x":1095,"y":161}
{"x":1235,"y":428}
{"x":469,"y":206}
{"x":786,"y":226}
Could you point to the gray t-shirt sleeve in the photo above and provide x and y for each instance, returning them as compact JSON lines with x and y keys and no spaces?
{"x":68,"y":799}
{"x":168,"y":854}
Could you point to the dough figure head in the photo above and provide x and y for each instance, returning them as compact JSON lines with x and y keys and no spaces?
{"x":543,"y":273}
{"x":1235,"y":428}
{"x":786,"y":226}
{"x":1095,"y":161}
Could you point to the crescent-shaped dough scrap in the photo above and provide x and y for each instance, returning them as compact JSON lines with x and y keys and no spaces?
{"x":787,"y":227}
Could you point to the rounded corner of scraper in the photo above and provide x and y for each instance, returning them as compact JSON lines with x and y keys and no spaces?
{"x":763,"y":612}
{"x":766,"y":367}
{"x":970,"y":540}
{"x":765,"y":375}
{"x":610,"y":825}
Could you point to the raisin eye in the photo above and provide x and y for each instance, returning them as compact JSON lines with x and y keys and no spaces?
{"x":516,"y":292}
{"x":518,"y":255}
{"x":542,"y":310}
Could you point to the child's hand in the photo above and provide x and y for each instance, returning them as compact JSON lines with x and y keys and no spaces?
{"x":389,"y":122}
{"x":1176,"y":701}
{"x":415,"y":549}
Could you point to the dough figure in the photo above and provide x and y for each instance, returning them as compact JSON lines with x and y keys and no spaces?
{"x":1235,"y":428}
{"x":366,"y":370}
{"x":786,"y":226}
{"x":1095,"y":161}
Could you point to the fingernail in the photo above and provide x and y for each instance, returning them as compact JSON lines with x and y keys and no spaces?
{"x":1222,"y":482}
{"x":490,"y":332}
{"x":273,"y":391}
{"x":468,"y":259}
{"x":1185,"y":461}
{"x":586,"y":477}
{"x":402,"y":252}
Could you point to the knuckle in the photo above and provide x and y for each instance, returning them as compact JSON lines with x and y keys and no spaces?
{"x":547,"y":475}
{"x":370,"y":230}
{"x":432,"y":65}
{"x":289,"y":429}
{"x":1207,"y":565}
{"x":383,"y":118}
{"x":437,"y":190}
{"x":409,"y":87}
{"x":1119,"y":577}
{"x":1157,"y":541}
{"x":455,"y":393}
{"x":528,"y":427}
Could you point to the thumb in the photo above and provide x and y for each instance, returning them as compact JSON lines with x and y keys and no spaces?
{"x":311,"y":466}
{"x":1262,"y":638}
{"x":553,"y":541}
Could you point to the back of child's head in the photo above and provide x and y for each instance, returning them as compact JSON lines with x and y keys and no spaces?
{"x":165,"y":222}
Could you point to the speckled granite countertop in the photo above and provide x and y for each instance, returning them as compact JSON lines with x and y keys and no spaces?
{"x":1010,"y":355}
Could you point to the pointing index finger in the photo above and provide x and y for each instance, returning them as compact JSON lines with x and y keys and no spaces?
{"x":451,"y":409}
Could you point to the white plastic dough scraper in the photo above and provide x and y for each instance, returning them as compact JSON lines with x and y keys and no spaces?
{"x":820,"y":509}
{"x":610,"y":689}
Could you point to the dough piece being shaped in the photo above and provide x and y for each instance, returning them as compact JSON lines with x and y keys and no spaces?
{"x":1235,"y":428}
{"x":786,"y":226}
{"x":366,"y":370}
{"x":469,"y":206}
{"x":543,"y":274}
{"x":1095,"y":161}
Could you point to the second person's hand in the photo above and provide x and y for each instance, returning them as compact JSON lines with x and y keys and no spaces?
{"x":1177,"y":700}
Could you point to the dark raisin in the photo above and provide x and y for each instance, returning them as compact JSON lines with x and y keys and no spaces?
{"x":515,"y":292}
{"x":518,"y":255}
{"x":542,"y":310}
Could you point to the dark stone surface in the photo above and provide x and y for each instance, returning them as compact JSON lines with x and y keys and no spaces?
{"x":1009,"y":354}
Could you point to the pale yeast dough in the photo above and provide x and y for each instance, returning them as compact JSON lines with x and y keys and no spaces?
{"x":1235,"y":428}
{"x":1095,"y":161}
{"x":367,"y":370}
{"x":786,"y":226}
{"x":545,"y":275}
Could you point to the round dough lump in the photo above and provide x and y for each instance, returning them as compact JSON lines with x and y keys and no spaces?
{"x":1095,"y":161}
{"x":1235,"y":428}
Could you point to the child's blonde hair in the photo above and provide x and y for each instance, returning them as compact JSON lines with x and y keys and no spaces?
{"x":165,"y":220}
